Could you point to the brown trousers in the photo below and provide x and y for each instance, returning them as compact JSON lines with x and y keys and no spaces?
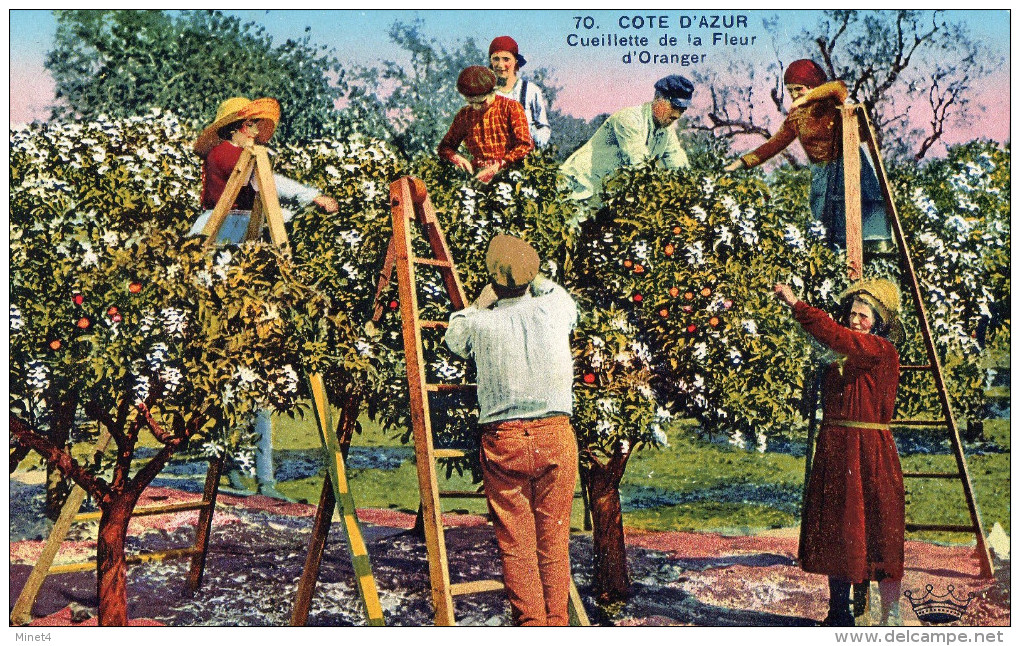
{"x":529,"y":468}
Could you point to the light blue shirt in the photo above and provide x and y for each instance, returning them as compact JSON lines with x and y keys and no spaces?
{"x":628,"y":137}
{"x":521,"y":348}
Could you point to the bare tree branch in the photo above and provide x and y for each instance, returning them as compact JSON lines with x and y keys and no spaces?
{"x":58,"y":457}
{"x":158,"y":432}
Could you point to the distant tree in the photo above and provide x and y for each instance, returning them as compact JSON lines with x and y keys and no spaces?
{"x":413,"y":105}
{"x":126,"y":62}
{"x":570,"y":133}
{"x":899,"y":64}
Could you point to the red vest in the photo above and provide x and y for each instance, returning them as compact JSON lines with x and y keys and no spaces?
{"x":216,"y":171}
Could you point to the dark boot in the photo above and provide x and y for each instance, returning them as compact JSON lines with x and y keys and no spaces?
{"x":839,"y":604}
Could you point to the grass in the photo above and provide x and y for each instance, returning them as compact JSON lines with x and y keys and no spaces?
{"x":692,"y":485}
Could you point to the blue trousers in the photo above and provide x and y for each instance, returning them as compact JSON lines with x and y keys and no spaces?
{"x":828,"y":202}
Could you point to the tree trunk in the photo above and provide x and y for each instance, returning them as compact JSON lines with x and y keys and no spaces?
{"x":610,"y":580}
{"x":61,"y":421}
{"x":111,"y":566}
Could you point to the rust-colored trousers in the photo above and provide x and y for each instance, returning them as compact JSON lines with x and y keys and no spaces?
{"x":529,"y":468}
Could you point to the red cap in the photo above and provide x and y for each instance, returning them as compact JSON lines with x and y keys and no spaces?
{"x":476,"y":81}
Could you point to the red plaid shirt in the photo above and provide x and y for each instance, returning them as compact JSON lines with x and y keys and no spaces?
{"x":500,"y":133}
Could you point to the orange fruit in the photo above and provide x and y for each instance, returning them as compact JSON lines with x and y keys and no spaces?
{"x":706,"y":291}
{"x":674,"y":291}
{"x":676,"y":230}
{"x":664,"y":312}
{"x":135,"y":287}
{"x":639,"y":269}
{"x":669,"y":250}
{"x":689,"y":295}
{"x":627,"y":264}
{"x":55,"y":344}
{"x":714,"y":321}
{"x":83,"y":322}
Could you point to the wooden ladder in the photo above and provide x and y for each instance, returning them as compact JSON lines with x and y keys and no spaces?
{"x":855,"y":123}
{"x":410,"y":202}
{"x":335,"y":488}
{"x":21,"y":614}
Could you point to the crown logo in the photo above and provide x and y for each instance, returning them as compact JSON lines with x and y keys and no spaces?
{"x":934,"y":608}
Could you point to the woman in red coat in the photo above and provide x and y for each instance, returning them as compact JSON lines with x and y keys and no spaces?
{"x":853,"y":519}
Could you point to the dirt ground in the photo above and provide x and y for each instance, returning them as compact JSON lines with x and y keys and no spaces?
{"x":258,"y":547}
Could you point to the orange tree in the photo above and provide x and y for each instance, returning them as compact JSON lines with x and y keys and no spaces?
{"x":119,"y":324}
{"x":673,"y":282}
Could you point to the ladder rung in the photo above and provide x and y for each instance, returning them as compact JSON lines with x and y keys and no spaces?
{"x":131,"y":558}
{"x":474,"y":587}
{"x":434,"y":324}
{"x":449,"y":388}
{"x":932,"y":474}
{"x":448,"y":453}
{"x":431,"y":261}
{"x":461,"y":494}
{"x":925,"y":367}
{"x":918,"y":422}
{"x":921,"y":527}
{"x":152,"y":510}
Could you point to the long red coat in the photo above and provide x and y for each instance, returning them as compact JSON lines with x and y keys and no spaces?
{"x":853,"y":519}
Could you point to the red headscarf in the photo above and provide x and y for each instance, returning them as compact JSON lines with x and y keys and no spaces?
{"x":804,"y":72}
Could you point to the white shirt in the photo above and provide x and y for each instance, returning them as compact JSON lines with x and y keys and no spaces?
{"x":535,"y":107}
{"x":521,"y":348}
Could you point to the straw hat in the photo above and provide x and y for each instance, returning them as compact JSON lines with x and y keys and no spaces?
{"x":266,"y":111}
{"x":884,"y":297}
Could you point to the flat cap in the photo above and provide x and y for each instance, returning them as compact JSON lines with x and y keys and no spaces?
{"x":676,"y":89}
{"x":511,"y":262}
{"x":476,"y":81}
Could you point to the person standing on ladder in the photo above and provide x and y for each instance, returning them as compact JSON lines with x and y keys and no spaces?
{"x":853,"y":521}
{"x":518,"y":334}
{"x":241,"y":123}
{"x":506,"y":62}
{"x":814,"y":119}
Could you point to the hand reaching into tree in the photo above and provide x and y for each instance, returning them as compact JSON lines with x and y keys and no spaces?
{"x":326,"y":203}
{"x":488,"y":172}
{"x":462,"y":163}
{"x":785,"y":294}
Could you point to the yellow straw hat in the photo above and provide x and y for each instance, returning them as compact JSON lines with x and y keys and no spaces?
{"x":882,"y":295}
{"x":266,"y":111}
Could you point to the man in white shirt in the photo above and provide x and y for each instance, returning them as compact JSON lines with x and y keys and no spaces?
{"x":517,"y":332}
{"x":506,"y":62}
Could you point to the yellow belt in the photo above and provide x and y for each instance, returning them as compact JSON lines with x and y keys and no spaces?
{"x":851,"y":424}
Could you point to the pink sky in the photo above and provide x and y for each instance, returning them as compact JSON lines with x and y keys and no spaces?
{"x":593,"y":80}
